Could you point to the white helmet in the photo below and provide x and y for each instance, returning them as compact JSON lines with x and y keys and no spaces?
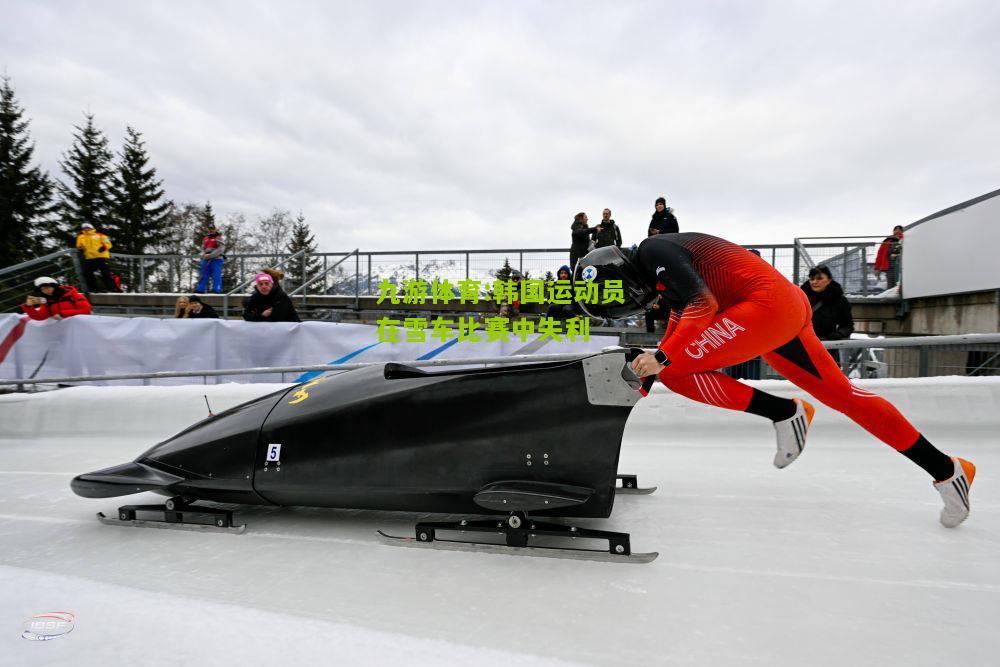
{"x":45,"y":280}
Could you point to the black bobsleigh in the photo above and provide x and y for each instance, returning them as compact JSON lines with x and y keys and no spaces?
{"x":525,"y":441}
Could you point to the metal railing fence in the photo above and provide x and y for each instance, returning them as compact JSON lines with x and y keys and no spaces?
{"x":972,"y":355}
{"x":850,"y":259}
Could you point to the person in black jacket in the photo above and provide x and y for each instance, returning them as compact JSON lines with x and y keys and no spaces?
{"x":197,"y":310}
{"x":582,"y":238}
{"x":663,"y":220}
{"x":268,"y":302}
{"x":831,"y":311}
{"x":607,"y":231}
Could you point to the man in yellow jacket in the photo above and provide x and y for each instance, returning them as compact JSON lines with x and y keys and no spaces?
{"x":96,"y":249}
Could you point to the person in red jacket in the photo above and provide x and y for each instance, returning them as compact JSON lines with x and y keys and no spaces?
{"x":887,"y":257}
{"x":728,"y":306}
{"x":54,"y":300}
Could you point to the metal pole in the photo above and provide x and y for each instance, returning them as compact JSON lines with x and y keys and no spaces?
{"x":864,"y":269}
{"x":466,"y":266}
{"x":142,"y":275}
{"x":416,"y":263}
{"x":923,"y":362}
{"x":795,"y":262}
{"x":520,"y":262}
{"x":74,"y":257}
{"x":357,"y":281}
{"x":368,"y":285}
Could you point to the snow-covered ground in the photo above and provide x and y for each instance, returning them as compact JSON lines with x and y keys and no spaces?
{"x":837,"y":560}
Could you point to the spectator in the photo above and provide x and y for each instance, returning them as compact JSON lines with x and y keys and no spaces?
{"x":512,"y":309}
{"x":583,"y":238}
{"x":96,"y":250}
{"x":831,"y":311}
{"x":50,"y":299}
{"x":607,"y":231}
{"x":197,"y":310}
{"x":191,"y":307}
{"x":563,"y":311}
{"x":663,"y":220}
{"x":889,"y":256}
{"x":213,"y":249}
{"x":268,"y":302}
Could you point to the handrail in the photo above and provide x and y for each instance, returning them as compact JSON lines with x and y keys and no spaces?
{"x":318,"y":276}
{"x":37,"y":260}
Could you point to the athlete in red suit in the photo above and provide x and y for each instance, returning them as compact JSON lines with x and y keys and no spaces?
{"x":727,"y":306}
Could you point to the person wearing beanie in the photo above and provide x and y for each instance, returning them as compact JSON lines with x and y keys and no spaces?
{"x":563,"y":311}
{"x":663,"y":220}
{"x":96,"y":250}
{"x":198,"y":310}
{"x":51,"y":299}
{"x":268,"y":302}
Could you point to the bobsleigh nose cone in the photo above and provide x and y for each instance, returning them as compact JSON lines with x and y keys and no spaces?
{"x":121,"y":480}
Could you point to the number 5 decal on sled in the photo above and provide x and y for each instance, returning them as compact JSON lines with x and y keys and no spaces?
{"x":274,"y":452}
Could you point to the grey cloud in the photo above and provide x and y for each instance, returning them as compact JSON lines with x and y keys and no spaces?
{"x":405,"y":125}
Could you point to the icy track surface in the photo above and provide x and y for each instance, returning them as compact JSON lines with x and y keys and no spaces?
{"x":837,"y":560}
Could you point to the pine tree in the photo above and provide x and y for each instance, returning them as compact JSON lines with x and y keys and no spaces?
{"x":25,"y":191}
{"x":139,"y":209}
{"x":503,"y":273}
{"x":87,"y":196}
{"x":306,"y":267}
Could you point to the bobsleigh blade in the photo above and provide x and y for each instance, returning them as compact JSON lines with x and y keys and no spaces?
{"x":538,"y":552}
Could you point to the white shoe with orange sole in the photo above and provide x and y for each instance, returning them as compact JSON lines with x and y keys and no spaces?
{"x":955,"y":493}
{"x":792,"y":433}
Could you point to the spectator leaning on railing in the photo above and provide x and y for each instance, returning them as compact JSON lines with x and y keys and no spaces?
{"x":192,"y":308}
{"x":50,"y":299}
{"x":268,"y":302}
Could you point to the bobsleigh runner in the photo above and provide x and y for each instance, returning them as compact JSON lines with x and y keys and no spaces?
{"x":521,"y":442}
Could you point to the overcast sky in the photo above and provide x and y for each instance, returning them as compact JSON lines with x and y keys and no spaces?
{"x":406,"y":125}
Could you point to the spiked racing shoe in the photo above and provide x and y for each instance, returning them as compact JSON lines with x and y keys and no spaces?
{"x":792,"y":432}
{"x":955,"y":493}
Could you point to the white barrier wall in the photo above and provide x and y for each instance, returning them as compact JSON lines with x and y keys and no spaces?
{"x":96,"y":345}
{"x":955,"y":252}
{"x":151,"y":414}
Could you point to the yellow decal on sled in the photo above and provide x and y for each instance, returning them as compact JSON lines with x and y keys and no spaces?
{"x":301,"y":394}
